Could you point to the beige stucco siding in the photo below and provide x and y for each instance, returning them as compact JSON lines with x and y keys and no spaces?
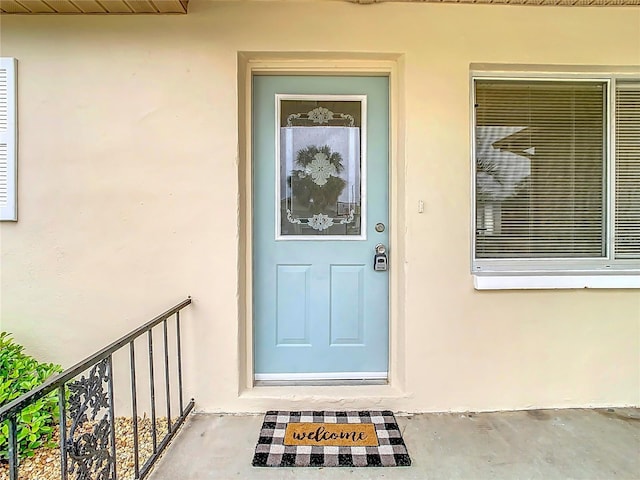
{"x":129,"y":192}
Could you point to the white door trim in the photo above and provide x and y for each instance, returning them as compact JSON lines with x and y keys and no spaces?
{"x":251,"y":63}
{"x":268,"y":377}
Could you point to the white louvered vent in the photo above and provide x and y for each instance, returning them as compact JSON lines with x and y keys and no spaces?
{"x":627,"y":225}
{"x":8,"y":139}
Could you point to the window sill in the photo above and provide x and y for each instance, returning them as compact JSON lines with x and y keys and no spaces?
{"x":551,"y":282}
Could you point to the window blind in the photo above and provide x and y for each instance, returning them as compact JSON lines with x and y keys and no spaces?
{"x":8,"y":139}
{"x":627,"y":216}
{"x":540,"y":169}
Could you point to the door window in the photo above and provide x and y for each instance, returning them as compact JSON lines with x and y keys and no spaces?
{"x":322,"y":164}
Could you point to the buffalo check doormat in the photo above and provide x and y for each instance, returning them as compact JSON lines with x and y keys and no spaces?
{"x":330,"y":439}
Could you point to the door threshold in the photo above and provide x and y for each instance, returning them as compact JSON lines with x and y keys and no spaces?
{"x":318,"y":383}
{"x":321,"y":379}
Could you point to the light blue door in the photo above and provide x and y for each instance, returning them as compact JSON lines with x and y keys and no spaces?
{"x":320,"y":207}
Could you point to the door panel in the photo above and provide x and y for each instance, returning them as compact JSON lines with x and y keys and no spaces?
{"x":347,"y":304}
{"x":320,"y":185}
{"x":292,"y":309}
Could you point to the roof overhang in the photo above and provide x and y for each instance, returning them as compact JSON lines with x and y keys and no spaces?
{"x":118,"y":7}
{"x":129,"y":7}
{"x":554,"y":3}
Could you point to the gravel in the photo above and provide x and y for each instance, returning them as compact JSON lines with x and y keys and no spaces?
{"x":45,"y":464}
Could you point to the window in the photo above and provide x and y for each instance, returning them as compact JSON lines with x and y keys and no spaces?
{"x":627,"y":171}
{"x":556,"y":176}
{"x":8,"y":139}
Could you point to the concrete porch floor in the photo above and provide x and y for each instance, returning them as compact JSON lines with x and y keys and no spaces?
{"x":595,"y":444}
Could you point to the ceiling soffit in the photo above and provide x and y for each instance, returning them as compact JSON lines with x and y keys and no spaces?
{"x":93,"y":6}
{"x":130,"y":7}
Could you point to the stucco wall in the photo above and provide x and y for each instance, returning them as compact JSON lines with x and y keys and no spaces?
{"x":128,"y":195}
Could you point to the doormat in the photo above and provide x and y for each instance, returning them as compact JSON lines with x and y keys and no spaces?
{"x":330,"y":439}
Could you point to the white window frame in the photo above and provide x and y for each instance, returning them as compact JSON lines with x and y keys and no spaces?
{"x":9,"y":141}
{"x":554,"y":273}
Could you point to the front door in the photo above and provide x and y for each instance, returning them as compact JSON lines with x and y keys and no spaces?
{"x":320,"y":207}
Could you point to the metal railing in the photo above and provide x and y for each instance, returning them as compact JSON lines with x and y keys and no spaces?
{"x":87,"y":430}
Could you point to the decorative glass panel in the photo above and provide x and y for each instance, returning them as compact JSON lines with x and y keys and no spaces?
{"x":321,"y":166}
